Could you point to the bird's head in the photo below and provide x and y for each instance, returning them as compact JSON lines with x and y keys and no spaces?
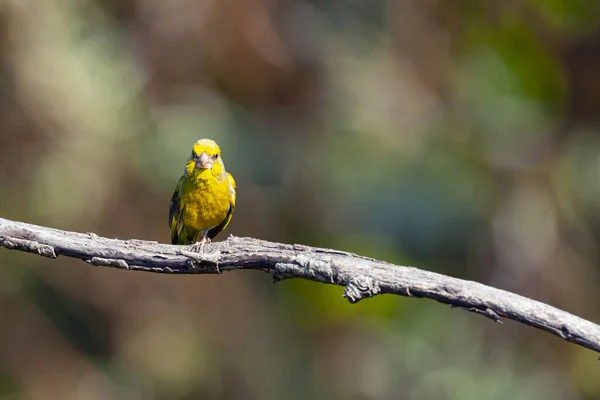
{"x":205,"y":159}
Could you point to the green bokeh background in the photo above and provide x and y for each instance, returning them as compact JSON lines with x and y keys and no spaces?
{"x":456,"y":136}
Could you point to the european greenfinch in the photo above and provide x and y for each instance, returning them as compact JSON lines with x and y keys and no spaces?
{"x":204,"y":197}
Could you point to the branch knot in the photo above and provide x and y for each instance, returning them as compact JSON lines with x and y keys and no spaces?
{"x":361,"y":287}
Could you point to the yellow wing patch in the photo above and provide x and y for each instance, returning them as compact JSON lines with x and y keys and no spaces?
{"x":232,"y":188}
{"x":232,"y":195}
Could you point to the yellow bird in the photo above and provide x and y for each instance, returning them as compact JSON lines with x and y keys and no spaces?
{"x":204,"y":198}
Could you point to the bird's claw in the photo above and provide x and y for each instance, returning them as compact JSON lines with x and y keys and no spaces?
{"x":198,"y":247}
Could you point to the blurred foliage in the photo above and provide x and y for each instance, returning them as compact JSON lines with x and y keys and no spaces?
{"x":460,"y":137}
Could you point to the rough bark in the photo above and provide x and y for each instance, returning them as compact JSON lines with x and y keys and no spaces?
{"x":362,"y":277}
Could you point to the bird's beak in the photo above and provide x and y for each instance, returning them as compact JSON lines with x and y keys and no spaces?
{"x":204,"y":161}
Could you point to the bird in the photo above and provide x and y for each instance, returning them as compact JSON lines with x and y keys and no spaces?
{"x":204,"y":198}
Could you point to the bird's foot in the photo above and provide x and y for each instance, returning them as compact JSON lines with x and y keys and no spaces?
{"x":198,"y":247}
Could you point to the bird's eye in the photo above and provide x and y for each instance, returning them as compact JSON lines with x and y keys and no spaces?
{"x":216,"y":156}
{"x":194,"y":154}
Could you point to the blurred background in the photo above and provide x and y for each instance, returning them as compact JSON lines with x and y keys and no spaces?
{"x":461,"y":137}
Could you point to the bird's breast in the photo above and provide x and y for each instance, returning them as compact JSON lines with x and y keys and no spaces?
{"x":205,"y":203}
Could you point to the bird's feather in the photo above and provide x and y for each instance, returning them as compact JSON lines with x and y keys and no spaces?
{"x":175,"y":211}
{"x":232,"y":195}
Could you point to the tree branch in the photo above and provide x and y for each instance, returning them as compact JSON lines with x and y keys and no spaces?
{"x":362,"y":277}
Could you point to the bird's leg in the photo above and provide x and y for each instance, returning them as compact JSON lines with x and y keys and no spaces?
{"x":198,"y":247}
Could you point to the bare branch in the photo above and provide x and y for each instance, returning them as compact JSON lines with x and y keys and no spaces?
{"x":362,"y":277}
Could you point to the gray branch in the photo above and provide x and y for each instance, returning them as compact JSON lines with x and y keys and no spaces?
{"x":362,"y":277}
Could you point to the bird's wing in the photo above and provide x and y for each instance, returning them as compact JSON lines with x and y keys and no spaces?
{"x":232,"y":195}
{"x":175,"y":211}
{"x":232,"y":189}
